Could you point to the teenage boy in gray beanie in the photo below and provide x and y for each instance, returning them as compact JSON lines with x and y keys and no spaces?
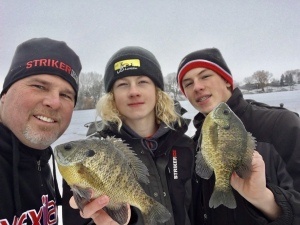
{"x":271,"y":194}
{"x":136,"y":109}
{"x":37,"y":101}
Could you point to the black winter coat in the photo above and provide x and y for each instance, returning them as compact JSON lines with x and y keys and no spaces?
{"x":277,"y":132}
{"x":27,"y":193}
{"x":170,"y":164}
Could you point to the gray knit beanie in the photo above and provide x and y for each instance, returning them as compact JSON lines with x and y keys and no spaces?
{"x":44,"y":56}
{"x":132,"y":61}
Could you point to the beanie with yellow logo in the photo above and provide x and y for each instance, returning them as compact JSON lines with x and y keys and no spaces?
{"x":132,"y":61}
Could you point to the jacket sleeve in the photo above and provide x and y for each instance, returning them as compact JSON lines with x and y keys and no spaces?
{"x":280,"y":183}
{"x":287,"y":144}
{"x":285,"y":194}
{"x":286,"y":140}
{"x":256,"y":217}
{"x":289,"y":203}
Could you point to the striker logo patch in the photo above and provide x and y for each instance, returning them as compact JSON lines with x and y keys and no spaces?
{"x":54,"y":64}
{"x":128,"y":64}
{"x":175,"y":168}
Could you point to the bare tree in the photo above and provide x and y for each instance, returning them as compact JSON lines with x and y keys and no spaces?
{"x":282,"y":80}
{"x":298,"y":76}
{"x":262,"y":78}
{"x":292,"y":77}
{"x":90,"y":90}
{"x":171,"y":86}
{"x":248,"y":83}
{"x":289,"y":80}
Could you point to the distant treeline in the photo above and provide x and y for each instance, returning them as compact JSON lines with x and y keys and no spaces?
{"x":91,"y":85}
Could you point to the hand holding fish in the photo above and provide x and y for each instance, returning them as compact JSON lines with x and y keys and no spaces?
{"x":254,"y":189}
{"x":227,"y":150}
{"x":96,"y":167}
{"x":94,"y":210}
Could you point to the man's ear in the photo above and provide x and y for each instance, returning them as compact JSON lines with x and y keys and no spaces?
{"x":228,"y":85}
{"x":3,"y":98}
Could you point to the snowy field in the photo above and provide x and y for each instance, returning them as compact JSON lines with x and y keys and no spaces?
{"x":76,"y":130}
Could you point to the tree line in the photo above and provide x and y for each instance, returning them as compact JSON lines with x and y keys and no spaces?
{"x":91,"y":86}
{"x":261,"y":79}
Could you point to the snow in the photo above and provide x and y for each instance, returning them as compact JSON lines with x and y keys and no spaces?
{"x":76,"y":130}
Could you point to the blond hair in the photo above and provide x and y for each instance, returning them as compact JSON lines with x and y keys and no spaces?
{"x":164,"y":109}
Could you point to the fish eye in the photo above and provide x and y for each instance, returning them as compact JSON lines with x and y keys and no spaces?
{"x":226,"y":112}
{"x":90,"y":153}
{"x":227,"y":127}
{"x":68,"y":146}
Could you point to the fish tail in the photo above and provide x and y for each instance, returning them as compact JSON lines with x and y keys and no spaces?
{"x":224,"y":197}
{"x":156,"y":213}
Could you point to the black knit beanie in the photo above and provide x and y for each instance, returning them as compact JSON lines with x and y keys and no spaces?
{"x":44,"y":56}
{"x":132,"y":61}
{"x":210,"y":58}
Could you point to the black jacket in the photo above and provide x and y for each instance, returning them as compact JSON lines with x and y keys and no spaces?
{"x":27,"y":192}
{"x":277,"y":132}
{"x":169,"y":157}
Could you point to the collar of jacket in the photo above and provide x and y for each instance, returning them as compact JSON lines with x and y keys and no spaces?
{"x":6,"y":142}
{"x":19,"y":154}
{"x":127,"y":134}
{"x":110,"y":129}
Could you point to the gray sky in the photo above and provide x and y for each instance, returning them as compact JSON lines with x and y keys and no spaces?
{"x":252,"y":35}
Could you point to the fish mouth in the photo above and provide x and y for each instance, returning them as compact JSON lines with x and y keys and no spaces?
{"x":62,"y":159}
{"x":58,"y":157}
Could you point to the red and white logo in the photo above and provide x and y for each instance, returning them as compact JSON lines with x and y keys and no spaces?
{"x":175,"y":170}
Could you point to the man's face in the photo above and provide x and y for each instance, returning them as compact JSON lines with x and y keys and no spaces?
{"x":38,"y":109}
{"x":205,"y":89}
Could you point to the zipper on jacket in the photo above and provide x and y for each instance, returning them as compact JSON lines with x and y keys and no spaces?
{"x":39,"y":165}
{"x":39,"y":169}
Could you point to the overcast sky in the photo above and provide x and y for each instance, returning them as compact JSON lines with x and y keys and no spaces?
{"x":252,"y":35}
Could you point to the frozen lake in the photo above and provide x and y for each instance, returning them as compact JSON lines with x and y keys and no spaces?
{"x":76,"y":130}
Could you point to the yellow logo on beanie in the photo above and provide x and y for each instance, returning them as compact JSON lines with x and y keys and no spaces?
{"x":128,"y":64}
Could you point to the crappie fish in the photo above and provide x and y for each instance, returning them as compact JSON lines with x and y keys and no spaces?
{"x":226,"y":146}
{"x":108,"y":167}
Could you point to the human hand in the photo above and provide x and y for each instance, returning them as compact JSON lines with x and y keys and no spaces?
{"x":254,"y":188}
{"x":94,"y":210}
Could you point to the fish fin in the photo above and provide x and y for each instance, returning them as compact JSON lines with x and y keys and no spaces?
{"x":139,"y":169}
{"x":81,"y":196}
{"x":244,"y":170}
{"x":251,"y":141}
{"x":202,"y":168}
{"x":156,"y":213}
{"x":219,"y":197}
{"x":120,"y":215}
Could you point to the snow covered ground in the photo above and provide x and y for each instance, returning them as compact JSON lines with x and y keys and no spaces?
{"x":76,"y":130}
